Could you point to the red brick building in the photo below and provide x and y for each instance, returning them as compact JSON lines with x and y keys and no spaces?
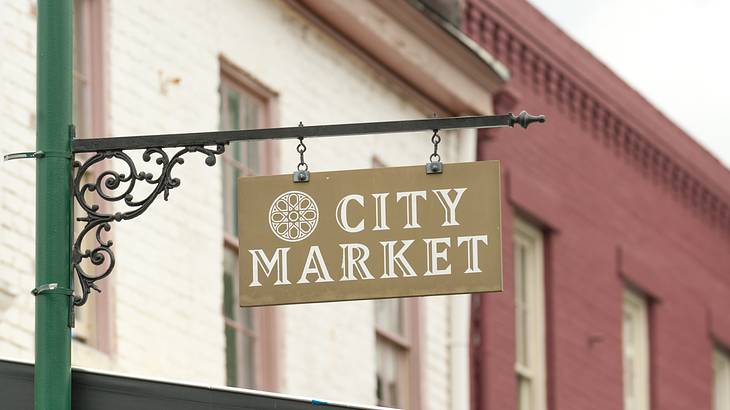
{"x":616,"y":233}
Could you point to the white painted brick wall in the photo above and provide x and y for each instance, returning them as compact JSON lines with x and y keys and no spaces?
{"x":169,"y":261}
{"x":17,"y":178}
{"x":169,"y":275}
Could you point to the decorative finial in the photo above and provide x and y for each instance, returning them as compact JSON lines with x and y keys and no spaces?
{"x":525,"y":119}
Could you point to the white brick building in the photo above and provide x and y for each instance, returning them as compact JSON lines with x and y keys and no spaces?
{"x":165,"y":66}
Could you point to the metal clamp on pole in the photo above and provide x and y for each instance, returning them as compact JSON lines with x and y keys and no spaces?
{"x":23,"y":155}
{"x":302,"y":172}
{"x":51,"y":288}
{"x":42,"y":154}
{"x":435,"y":166}
{"x":54,"y":289}
{"x":36,"y":155}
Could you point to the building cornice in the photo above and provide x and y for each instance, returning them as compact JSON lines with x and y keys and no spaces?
{"x":632,"y":128}
{"x":417,"y":49}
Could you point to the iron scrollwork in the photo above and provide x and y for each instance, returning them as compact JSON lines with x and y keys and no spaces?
{"x":113,"y":186}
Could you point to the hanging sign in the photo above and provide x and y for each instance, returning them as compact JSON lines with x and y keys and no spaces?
{"x":367,"y":234}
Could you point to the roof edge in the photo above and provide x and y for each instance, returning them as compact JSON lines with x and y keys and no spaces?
{"x":480,"y":52}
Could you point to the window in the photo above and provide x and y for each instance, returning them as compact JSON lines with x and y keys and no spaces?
{"x":248,"y":331}
{"x":395,"y":330}
{"x":529,"y":316}
{"x":88,"y":68}
{"x":93,"y":321}
{"x":240,"y":328}
{"x":721,"y":390}
{"x":635,"y":351}
{"x":81,"y":67}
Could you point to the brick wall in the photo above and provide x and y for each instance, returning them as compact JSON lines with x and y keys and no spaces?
{"x":625,"y":198}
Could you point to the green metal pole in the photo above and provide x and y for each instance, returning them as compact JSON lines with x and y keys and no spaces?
{"x":53,"y":205}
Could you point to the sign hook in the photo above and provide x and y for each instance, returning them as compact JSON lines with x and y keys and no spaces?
{"x":301,"y":174}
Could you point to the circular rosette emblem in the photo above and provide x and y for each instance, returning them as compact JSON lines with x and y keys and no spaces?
{"x":293,"y":216}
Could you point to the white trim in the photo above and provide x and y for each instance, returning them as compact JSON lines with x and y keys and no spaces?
{"x":531,"y":239}
{"x":459,"y":314}
{"x":636,"y":350}
{"x":721,"y":380}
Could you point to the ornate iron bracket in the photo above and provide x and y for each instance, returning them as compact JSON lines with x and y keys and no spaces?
{"x":112,"y":186}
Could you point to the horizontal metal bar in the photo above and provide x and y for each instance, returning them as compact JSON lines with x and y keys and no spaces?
{"x":224,"y":137}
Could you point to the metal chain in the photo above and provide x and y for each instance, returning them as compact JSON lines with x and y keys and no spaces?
{"x":301,"y":149}
{"x":436,"y":138}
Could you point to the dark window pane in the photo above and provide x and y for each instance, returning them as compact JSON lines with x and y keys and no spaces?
{"x":253,"y":161}
{"x":236,"y":149}
{"x":389,"y":315}
{"x":231,"y":360}
{"x":234,"y":119}
{"x":379,"y":390}
{"x":252,"y":114}
{"x":226,"y":174}
{"x":233,"y":201}
{"x":229,"y":300}
{"x":246,"y":315}
{"x":230,"y":209}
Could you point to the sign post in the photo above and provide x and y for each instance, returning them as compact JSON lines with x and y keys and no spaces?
{"x":368,"y":234}
{"x":53,"y":206}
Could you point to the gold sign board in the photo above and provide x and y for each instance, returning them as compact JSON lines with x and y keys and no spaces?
{"x":368,"y":234}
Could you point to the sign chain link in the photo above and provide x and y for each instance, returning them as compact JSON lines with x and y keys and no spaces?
{"x":436,"y":139}
{"x":301,"y":174}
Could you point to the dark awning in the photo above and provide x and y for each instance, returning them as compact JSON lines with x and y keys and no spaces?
{"x":95,"y":390}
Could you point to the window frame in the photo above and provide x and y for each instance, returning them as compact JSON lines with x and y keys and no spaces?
{"x":90,"y":66}
{"x":636,"y":305}
{"x":233,"y":78}
{"x":95,"y":321}
{"x":532,"y":239}
{"x":263,"y":335}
